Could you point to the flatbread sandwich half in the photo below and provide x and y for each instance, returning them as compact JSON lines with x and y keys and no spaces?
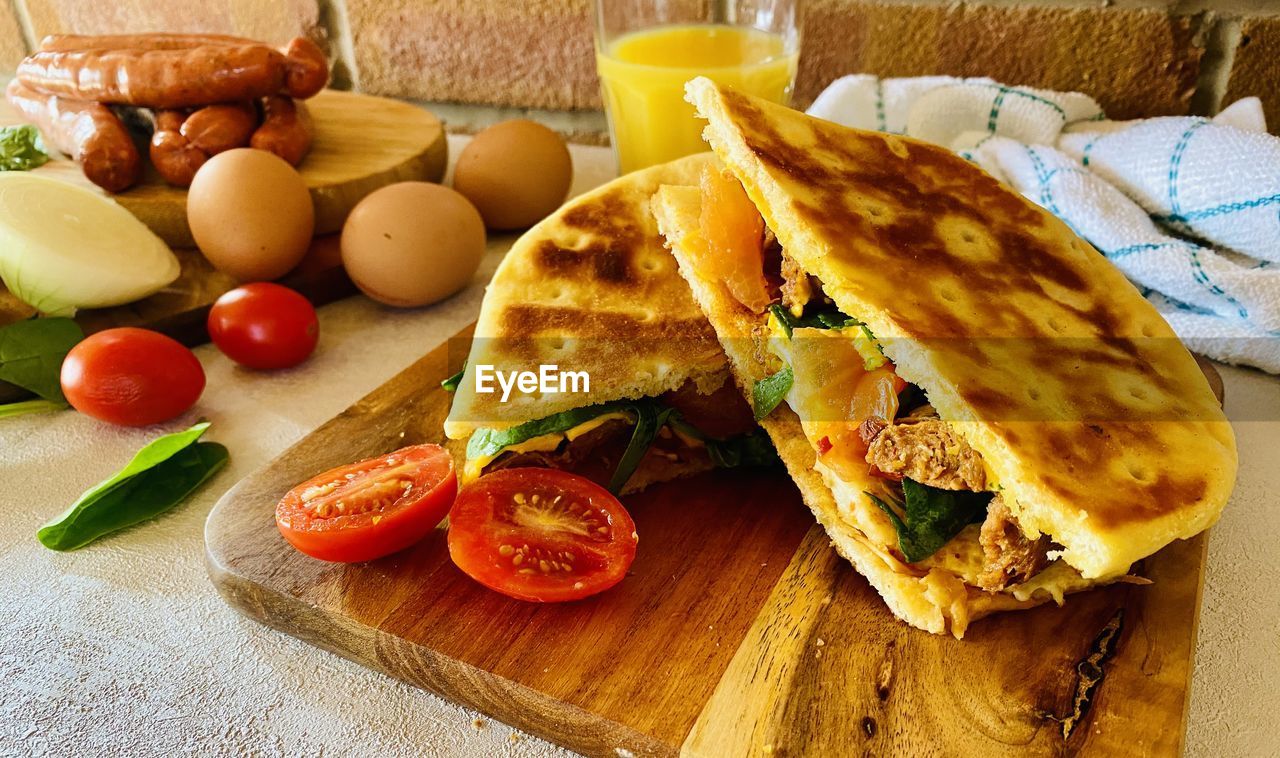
{"x":592,"y":291}
{"x":980,"y":409}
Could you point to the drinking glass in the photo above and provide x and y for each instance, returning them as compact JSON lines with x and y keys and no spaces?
{"x":647,"y":49}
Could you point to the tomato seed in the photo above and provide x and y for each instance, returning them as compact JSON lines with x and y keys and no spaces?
{"x":506,"y":550}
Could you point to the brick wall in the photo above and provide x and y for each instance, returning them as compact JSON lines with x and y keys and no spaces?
{"x":1137,"y":57}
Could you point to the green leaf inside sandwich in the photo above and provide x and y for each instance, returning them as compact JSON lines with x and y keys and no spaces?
{"x":826,"y":319}
{"x":769,"y":392}
{"x":489,"y":442}
{"x":451,"y":384}
{"x":932,"y":517}
{"x":649,"y":416}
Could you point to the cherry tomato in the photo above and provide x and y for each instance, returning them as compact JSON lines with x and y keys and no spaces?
{"x":369,"y":509}
{"x":131,"y":377}
{"x":264,"y":326}
{"x":541,"y":535}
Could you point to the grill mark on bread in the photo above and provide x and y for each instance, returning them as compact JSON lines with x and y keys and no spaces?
{"x":596,"y":260}
{"x":611,"y":240}
{"x":525,"y":321}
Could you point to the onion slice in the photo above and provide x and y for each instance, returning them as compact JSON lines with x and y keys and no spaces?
{"x":64,"y":247}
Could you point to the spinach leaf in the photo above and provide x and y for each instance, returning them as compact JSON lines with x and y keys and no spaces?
{"x":650,"y":417}
{"x":21,"y":148}
{"x":770,"y":391}
{"x":486,"y":442}
{"x":451,"y":384}
{"x":161,"y":475}
{"x":753,"y":449}
{"x":31,"y":354}
{"x":933,"y":517}
{"x":23,"y":407}
{"x":831,"y":319}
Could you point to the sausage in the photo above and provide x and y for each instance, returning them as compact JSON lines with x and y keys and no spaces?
{"x":173,"y":155}
{"x":88,"y":132}
{"x":286,"y":129}
{"x":156,"y":41}
{"x":182,"y":143}
{"x":178,"y":78}
{"x":215,"y":128}
{"x":172,"y":70}
{"x":306,"y":68}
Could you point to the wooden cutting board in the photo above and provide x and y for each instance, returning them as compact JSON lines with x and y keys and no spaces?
{"x":738,"y":631}
{"x":362,"y":143}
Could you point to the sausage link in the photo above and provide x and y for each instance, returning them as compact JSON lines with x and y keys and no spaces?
{"x":306,"y":68}
{"x":157,"y":41}
{"x":286,"y":129}
{"x":173,"y":155}
{"x":181,"y":78}
{"x":172,"y":70}
{"x":88,"y":132}
{"x":215,"y":128}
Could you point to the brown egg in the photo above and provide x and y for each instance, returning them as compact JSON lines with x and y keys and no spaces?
{"x":515,"y":173}
{"x":412,"y":243}
{"x":250,"y":214}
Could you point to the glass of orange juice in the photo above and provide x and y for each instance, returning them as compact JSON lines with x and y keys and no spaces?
{"x":647,"y":49}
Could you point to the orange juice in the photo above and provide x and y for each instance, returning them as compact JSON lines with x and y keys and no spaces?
{"x":643,"y":75}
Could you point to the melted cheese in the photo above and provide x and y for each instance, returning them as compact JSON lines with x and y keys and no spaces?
{"x":546,"y":442}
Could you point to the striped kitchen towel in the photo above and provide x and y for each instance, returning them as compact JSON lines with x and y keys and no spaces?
{"x":1187,"y":208}
{"x":1205,"y":294}
{"x":1201,"y":178}
{"x":941,"y":108}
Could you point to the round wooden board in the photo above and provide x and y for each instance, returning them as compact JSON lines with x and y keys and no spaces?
{"x":362,"y":143}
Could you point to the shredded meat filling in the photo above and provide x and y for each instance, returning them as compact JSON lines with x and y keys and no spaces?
{"x":798,"y":288}
{"x":1011,"y":557}
{"x":928,"y":451}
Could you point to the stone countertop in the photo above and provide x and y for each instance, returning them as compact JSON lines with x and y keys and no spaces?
{"x":125,"y":648}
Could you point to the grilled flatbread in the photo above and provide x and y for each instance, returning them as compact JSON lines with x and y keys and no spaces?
{"x":593,"y":289}
{"x":1092,"y":422}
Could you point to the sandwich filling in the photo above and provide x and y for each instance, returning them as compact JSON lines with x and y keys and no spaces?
{"x":628,"y":444}
{"x":939,"y":504}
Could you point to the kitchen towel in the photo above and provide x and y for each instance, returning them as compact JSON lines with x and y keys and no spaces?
{"x":1204,"y":179}
{"x":1207,"y":296}
{"x":1188,"y":208}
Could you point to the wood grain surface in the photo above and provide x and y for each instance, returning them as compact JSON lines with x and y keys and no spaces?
{"x":362,"y":143}
{"x":737,"y":632}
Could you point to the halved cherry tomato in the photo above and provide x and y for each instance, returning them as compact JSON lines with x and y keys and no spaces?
{"x":264,"y":326}
{"x":734,"y":235}
{"x":131,"y":377}
{"x":541,"y":535}
{"x":369,"y":509}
